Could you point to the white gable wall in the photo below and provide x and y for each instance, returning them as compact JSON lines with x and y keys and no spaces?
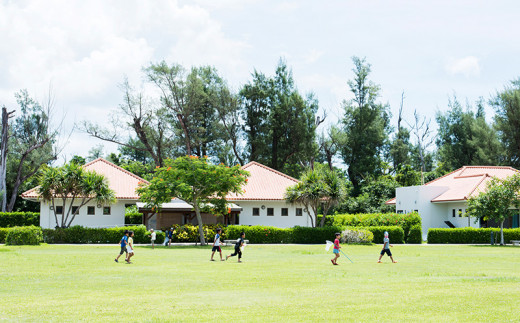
{"x":277,"y":220}
{"x":433,"y":215}
{"x":115,"y":219}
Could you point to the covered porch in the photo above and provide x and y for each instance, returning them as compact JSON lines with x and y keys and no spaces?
{"x":179,"y":212}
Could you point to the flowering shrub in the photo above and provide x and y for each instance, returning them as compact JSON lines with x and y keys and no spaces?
{"x":405,"y":221}
{"x":355,"y":235}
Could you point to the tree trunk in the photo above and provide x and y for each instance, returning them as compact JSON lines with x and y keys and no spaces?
{"x":3,"y":155}
{"x":502,"y":233}
{"x":199,"y":221}
{"x":325,"y":209}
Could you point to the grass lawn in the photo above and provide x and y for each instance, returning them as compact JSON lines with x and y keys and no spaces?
{"x":275,"y":283}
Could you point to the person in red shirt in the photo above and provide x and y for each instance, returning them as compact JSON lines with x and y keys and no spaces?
{"x":336,"y":250}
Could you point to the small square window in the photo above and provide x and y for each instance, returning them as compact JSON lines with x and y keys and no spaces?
{"x":256,"y":211}
{"x":285,"y":211}
{"x":74,"y":210}
{"x":270,"y":211}
{"x":91,"y":210}
{"x":59,"y":209}
{"x":106,"y":210}
{"x":299,"y":211}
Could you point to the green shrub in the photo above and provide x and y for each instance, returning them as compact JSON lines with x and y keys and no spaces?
{"x":309,"y":235}
{"x":357,"y":235}
{"x":470,"y":235}
{"x":405,"y":221}
{"x":329,"y":220}
{"x":3,"y":234}
{"x":396,"y":234}
{"x":19,"y":219}
{"x":29,"y":235}
{"x":260,"y":234}
{"x":415,"y":235}
{"x":134,"y":218}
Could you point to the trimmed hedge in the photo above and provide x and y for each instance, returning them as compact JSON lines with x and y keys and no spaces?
{"x":260,"y":234}
{"x":405,"y":221}
{"x":308,"y":235}
{"x":415,"y":235}
{"x":29,"y":235}
{"x":134,"y":218}
{"x":395,"y":233}
{"x":470,"y":235}
{"x":79,"y":234}
{"x":19,"y":219}
{"x":3,"y":234}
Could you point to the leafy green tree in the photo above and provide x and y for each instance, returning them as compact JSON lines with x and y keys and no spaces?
{"x":400,"y":149}
{"x":71,"y":183}
{"x":195,"y":181}
{"x":498,"y":202}
{"x":507,"y":121}
{"x":407,"y":176}
{"x":32,"y":143}
{"x":365,"y":127}
{"x":372,"y":197}
{"x":465,"y":138}
{"x":318,"y":188}
{"x":280,"y":123}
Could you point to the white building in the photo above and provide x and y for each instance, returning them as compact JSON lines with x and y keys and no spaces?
{"x":262,"y":203}
{"x":92,"y":215}
{"x":442,"y":203}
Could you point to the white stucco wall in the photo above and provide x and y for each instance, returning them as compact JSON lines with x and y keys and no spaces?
{"x":116,"y":217}
{"x":277,"y":220}
{"x":433,"y":215}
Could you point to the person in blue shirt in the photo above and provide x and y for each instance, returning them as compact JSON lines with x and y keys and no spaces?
{"x":216,"y":245}
{"x":386,"y":249}
{"x":123,"y":243}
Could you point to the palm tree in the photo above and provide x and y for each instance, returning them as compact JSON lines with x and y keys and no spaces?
{"x":72,"y":182}
{"x":317,"y":187}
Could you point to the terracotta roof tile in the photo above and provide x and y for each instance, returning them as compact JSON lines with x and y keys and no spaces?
{"x":123,"y":182}
{"x":264,"y":183}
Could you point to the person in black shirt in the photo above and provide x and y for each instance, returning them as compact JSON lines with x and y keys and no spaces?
{"x":238,"y":245}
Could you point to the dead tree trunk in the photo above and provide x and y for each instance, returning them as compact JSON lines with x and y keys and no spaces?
{"x":3,"y":155}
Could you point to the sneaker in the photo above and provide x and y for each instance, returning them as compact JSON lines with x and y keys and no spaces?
{"x":332,"y":261}
{"x":379,"y":261}
{"x":211,"y":260}
{"x":395,"y":262}
{"x":336,"y":264}
{"x":116,"y":260}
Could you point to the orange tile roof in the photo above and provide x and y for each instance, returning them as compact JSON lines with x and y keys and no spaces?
{"x":264,"y":183}
{"x":466,"y":182}
{"x":123,"y":182}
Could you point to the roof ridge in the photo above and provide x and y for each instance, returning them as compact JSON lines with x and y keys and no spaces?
{"x":476,"y":186}
{"x":116,"y":167}
{"x":269,"y":169}
{"x":433,"y":180}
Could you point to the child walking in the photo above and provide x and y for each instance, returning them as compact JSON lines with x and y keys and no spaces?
{"x":130,"y":246}
{"x":336,"y":249}
{"x":386,"y":249}
{"x":216,"y":245}
{"x":152,"y":236}
{"x":238,"y":246}
{"x":123,"y":243}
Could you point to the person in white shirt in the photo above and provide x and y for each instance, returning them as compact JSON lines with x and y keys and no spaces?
{"x":153,"y":235}
{"x":216,"y":245}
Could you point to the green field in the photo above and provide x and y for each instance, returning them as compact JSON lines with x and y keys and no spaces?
{"x":275,"y":283}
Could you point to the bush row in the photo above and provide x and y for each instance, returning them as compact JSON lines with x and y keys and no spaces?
{"x":28,"y":235}
{"x":405,"y":221}
{"x":79,"y":234}
{"x":134,"y":218}
{"x":470,"y":235}
{"x":19,"y":219}
{"x":356,"y":235}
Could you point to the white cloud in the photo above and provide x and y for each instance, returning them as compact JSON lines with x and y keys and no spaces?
{"x":313,"y":55}
{"x":467,"y":66}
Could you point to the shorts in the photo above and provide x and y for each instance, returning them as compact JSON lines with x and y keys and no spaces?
{"x":387,"y":251}
{"x":216,"y":248}
{"x":129,"y":249}
{"x":123,"y":249}
{"x":335,"y":250}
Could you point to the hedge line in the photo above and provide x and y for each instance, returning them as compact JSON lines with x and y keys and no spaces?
{"x":29,"y":235}
{"x":405,"y":221}
{"x":19,"y":219}
{"x":470,"y":235}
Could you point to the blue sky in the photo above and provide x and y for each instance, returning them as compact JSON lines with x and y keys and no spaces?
{"x":428,"y":49}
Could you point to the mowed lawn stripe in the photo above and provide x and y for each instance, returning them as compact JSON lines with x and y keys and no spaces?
{"x":276,"y":283}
